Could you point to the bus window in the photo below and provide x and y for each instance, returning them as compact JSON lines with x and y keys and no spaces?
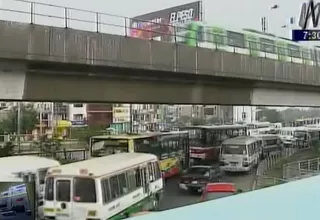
{"x":132,"y":182}
{"x":84,"y":190}
{"x":138,"y":177}
{"x":42,"y":175}
{"x":156,"y":169}
{"x":114,"y":187}
{"x":123,"y":184}
{"x":151,"y":173}
{"x":106,"y":195}
{"x":49,"y":189}
{"x":63,"y":190}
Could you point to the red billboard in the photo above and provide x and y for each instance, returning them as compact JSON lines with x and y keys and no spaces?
{"x":160,"y":25}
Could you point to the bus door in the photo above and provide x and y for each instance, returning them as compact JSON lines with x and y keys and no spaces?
{"x":63,"y":198}
{"x":145,"y":177}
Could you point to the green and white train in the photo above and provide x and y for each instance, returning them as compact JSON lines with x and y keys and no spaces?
{"x":247,"y":41}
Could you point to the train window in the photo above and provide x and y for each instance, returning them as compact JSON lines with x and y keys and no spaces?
{"x":312,"y":55}
{"x":267,"y":45}
{"x":282,"y":50}
{"x":253,"y":45}
{"x":294,"y":51}
{"x":209,"y":35}
{"x":200,"y":34}
{"x":306,"y":54}
{"x":219,"y":39}
{"x":235,"y":39}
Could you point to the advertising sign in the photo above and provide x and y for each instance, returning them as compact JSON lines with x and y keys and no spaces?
{"x":159,"y":25}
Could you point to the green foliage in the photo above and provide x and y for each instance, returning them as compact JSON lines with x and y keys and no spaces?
{"x":270,"y":115}
{"x":214,"y":120}
{"x":198,"y":121}
{"x":28,"y":120}
{"x":83,"y":134}
{"x":7,"y":149}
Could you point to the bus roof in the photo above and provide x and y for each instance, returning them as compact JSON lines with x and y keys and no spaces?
{"x":138,"y":136}
{"x":15,"y":164}
{"x":103,"y":165}
{"x":216,"y":127}
{"x":240,"y":140}
{"x":266,"y":136}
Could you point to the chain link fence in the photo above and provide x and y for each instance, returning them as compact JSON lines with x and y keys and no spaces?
{"x":261,"y":180}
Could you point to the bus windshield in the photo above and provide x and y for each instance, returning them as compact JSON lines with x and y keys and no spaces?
{"x":107,"y":147}
{"x":196,"y":137}
{"x":234,"y":149}
{"x":300,"y":134}
{"x":84,"y":190}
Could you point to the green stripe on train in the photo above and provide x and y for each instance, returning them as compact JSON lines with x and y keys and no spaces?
{"x":282,"y":50}
{"x":191,"y":35}
{"x":252,"y":42}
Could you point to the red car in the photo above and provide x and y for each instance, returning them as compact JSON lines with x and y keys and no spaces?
{"x":218,"y":190}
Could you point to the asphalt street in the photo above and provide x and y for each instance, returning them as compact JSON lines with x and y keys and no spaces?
{"x":16,"y":217}
{"x":174,"y":198}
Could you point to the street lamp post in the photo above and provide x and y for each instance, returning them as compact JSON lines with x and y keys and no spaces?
{"x":265,"y":19}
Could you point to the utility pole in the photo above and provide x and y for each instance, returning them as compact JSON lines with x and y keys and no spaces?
{"x":40,"y":119}
{"x":19,"y":126}
{"x":131,"y":119}
{"x":264,"y":24}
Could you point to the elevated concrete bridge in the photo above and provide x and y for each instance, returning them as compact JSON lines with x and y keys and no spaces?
{"x":42,"y":63}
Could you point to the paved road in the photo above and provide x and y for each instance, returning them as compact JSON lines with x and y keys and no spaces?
{"x":173,"y":198}
{"x":16,"y":217}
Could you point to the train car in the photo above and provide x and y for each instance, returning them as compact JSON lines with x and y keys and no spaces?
{"x":248,"y":41}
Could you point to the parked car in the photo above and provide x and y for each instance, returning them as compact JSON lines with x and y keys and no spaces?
{"x":218,"y":190}
{"x":197,"y":177}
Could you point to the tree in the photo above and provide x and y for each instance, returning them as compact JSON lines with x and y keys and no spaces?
{"x":198,"y":121}
{"x":28,"y":120}
{"x":214,"y":120}
{"x":270,"y":115}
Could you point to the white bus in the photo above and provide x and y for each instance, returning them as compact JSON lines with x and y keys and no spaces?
{"x":19,"y":165}
{"x":113,"y":186}
{"x":286,"y":135}
{"x":271,"y":143}
{"x":240,"y":154}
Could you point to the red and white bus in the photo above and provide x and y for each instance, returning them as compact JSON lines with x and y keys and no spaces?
{"x":205,"y":141}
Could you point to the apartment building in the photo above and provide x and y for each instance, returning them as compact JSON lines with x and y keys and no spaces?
{"x":244,"y":114}
{"x":77,"y":114}
{"x":99,"y":114}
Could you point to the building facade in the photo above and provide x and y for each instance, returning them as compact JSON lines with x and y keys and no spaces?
{"x":244,"y":114}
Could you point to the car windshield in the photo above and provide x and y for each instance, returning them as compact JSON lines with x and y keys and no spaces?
{"x":199,"y":170}
{"x":217,"y":195}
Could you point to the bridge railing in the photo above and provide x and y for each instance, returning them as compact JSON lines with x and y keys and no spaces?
{"x":62,"y":155}
{"x":261,"y":180}
{"x":69,"y":17}
{"x":301,"y":169}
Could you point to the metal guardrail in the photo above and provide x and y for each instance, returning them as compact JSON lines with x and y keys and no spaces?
{"x":265,"y":165}
{"x":67,"y":155}
{"x":68,"y":17}
{"x":301,"y":169}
